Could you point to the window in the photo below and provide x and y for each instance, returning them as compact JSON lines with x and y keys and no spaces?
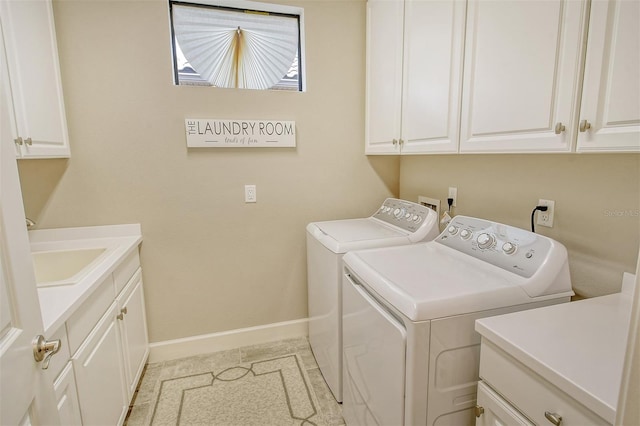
{"x":248,"y":46}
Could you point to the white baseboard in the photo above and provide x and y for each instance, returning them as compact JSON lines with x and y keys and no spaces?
{"x":232,"y":339}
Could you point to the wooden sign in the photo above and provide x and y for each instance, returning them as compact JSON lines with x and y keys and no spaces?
{"x":222,"y":133}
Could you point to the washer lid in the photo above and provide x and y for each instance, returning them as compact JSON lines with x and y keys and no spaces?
{"x":341,"y":236}
{"x":428,"y":280}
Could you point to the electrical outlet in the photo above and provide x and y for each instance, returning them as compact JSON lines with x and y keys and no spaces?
{"x":546,"y":218}
{"x":250,"y":195}
{"x":453,"y":193}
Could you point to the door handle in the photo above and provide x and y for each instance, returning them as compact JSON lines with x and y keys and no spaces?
{"x":44,"y":349}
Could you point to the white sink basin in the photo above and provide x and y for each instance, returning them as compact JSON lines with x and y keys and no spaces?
{"x":64,"y":267}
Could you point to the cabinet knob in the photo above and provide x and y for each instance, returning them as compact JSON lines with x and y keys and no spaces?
{"x":479,"y":410}
{"x":18,"y":140}
{"x":122,"y":313}
{"x":553,"y":418}
{"x":29,"y":141}
{"x":559,"y":128}
{"x":401,"y":142}
{"x":584,"y":126}
{"x":395,"y":142}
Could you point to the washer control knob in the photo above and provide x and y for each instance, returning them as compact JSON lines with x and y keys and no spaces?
{"x":465,"y":234}
{"x":407,"y":216}
{"x":416,"y":218}
{"x":453,"y":230}
{"x":398,"y":213}
{"x":509,"y":248}
{"x":486,"y":240}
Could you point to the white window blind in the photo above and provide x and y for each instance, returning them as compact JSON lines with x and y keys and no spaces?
{"x":236,"y":48}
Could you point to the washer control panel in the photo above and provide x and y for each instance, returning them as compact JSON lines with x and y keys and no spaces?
{"x":510,"y":248}
{"x":404,"y":214}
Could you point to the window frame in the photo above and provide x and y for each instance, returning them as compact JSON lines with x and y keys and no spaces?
{"x":245,"y":5}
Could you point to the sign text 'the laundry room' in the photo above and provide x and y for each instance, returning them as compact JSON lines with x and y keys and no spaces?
{"x":221,"y":133}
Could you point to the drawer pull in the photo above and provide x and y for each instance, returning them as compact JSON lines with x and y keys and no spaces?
{"x":479,"y":410}
{"x":553,"y":418}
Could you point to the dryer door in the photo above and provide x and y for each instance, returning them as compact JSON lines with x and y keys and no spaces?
{"x":374,"y":360}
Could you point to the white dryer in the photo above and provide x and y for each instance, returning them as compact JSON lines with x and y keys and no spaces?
{"x":397,"y":222}
{"x":411,"y":355}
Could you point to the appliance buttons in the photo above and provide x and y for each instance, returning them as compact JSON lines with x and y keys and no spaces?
{"x":452,"y":230}
{"x":465,"y":234}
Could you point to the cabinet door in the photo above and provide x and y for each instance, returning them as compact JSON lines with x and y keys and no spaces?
{"x":433,"y":56}
{"x":495,"y":410}
{"x":611,"y":90}
{"x":133,"y":326}
{"x":522,"y":61}
{"x":34,"y":78}
{"x":383,"y":76}
{"x":67,"y":397}
{"x":100,"y":374}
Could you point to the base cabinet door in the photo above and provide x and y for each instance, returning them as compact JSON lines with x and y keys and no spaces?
{"x":493,"y":410}
{"x":100,"y":374}
{"x":67,"y":397}
{"x":133,"y":327}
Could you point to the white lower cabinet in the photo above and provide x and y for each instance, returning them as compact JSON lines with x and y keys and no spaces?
{"x":133,"y":331}
{"x":511,"y":393}
{"x":104,"y":348}
{"x":67,"y":397}
{"x":98,"y":366}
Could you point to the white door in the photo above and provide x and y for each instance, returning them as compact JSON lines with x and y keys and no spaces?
{"x":34,"y":78}
{"x":384,"y":76}
{"x":26,"y":394}
{"x":611,"y":91}
{"x":492,"y":410}
{"x":520,"y":75}
{"x":432,"y":84}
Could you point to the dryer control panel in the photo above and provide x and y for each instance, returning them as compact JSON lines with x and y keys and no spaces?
{"x":409,"y":216}
{"x":510,"y":248}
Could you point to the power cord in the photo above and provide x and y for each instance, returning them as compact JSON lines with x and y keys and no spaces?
{"x":542,"y":209}
{"x":450,"y":203}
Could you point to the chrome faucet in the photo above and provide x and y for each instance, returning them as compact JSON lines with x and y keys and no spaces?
{"x":30,"y":223}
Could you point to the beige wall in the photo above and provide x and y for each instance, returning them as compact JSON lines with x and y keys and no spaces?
{"x":597,"y":200}
{"x":211,"y":262}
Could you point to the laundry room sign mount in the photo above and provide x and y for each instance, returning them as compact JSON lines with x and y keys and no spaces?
{"x":226,"y":133}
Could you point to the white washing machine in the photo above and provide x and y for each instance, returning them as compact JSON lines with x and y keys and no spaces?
{"x":397,"y":222}
{"x":411,"y":355}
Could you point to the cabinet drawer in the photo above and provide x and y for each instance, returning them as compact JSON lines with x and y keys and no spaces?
{"x":529,"y":392}
{"x":126,"y":270}
{"x":88,"y":314}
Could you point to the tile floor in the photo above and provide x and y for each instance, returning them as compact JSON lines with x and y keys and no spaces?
{"x":148,"y":388}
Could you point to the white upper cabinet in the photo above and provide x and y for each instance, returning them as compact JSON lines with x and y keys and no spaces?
{"x":610,"y":109}
{"x":521,"y":74}
{"x":414,"y":73}
{"x":31,"y":80}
